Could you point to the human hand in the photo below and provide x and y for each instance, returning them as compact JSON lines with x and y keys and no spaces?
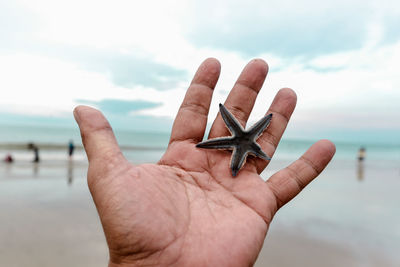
{"x":187,"y":209}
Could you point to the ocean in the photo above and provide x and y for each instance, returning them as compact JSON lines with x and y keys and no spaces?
{"x":54,"y":140}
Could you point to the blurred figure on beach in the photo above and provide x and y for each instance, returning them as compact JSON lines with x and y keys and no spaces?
{"x":71,"y":148}
{"x":360,"y":167}
{"x":35,"y":149}
{"x":8,"y":158}
{"x":361,"y":154}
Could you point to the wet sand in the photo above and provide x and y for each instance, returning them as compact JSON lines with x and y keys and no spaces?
{"x":48,"y":219}
{"x":286,"y":246}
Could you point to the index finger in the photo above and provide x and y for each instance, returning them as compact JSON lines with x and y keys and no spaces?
{"x":191,"y":120}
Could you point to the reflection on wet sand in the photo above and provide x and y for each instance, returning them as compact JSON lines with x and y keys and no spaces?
{"x":35,"y":169}
{"x":39,"y":170}
{"x":8,"y":168}
{"x":360,"y":171}
{"x":70,"y":173}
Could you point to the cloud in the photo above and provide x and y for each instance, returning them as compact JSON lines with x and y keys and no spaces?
{"x":16,"y":25}
{"x":21,"y":31}
{"x":115,"y":47}
{"x":101,"y":24}
{"x":122,"y":107}
{"x":125,"y":69}
{"x":128,"y":70}
{"x":341,"y":58}
{"x":289,"y":28}
{"x":39,"y":85}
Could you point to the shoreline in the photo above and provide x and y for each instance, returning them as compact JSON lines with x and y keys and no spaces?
{"x":58,"y":146}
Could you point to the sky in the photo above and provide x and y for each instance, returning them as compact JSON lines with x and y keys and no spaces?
{"x":134,"y":60}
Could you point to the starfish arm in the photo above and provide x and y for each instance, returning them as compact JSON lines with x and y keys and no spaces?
{"x":217,"y":143}
{"x":238,"y":159}
{"x":260,"y":126}
{"x":233,"y":125}
{"x":257,"y":151}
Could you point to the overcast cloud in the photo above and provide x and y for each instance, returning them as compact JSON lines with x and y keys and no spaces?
{"x":340,"y":57}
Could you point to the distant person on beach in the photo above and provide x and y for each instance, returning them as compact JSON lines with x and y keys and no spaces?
{"x":35,"y":149}
{"x":9,"y":158}
{"x":71,"y":148}
{"x":360,"y":168}
{"x":187,"y":209}
{"x":361,"y":154}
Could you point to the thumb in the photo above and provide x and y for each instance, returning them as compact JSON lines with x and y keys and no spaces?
{"x":97,"y":136}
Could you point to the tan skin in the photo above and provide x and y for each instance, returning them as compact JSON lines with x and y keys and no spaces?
{"x":187,"y":209}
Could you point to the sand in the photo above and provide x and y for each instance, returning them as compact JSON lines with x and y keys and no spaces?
{"x":48,"y":219}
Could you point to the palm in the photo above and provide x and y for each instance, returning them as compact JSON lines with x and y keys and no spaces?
{"x":187,"y":210}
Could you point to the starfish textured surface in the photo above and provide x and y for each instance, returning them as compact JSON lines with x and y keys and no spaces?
{"x":242,"y":142}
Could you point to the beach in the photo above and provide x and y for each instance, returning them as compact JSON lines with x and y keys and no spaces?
{"x":283,"y":74}
{"x":340,"y":219}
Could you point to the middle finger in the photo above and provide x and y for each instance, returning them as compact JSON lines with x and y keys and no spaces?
{"x":241,"y":99}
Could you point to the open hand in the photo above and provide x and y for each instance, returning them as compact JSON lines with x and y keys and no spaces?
{"x":187,"y":209}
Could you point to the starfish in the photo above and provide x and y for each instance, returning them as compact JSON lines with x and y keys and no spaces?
{"x":242,"y":142}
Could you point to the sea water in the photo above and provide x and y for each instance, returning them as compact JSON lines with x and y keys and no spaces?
{"x":54,"y":141}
